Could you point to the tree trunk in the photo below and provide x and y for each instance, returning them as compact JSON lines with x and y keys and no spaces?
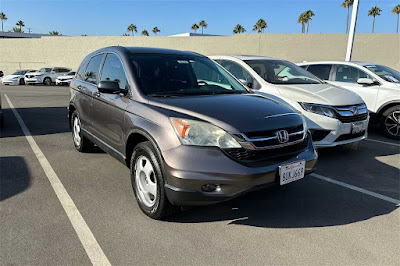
{"x":347,"y":25}
{"x":396,"y":31}
{"x":308,"y":24}
{"x":3,"y":29}
{"x":201,"y":30}
{"x":373,"y":25}
{"x":302,"y":27}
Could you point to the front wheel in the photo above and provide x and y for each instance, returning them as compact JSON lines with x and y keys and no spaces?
{"x":47,"y":81}
{"x":22,"y":81}
{"x":390,"y":122}
{"x":148,"y":182}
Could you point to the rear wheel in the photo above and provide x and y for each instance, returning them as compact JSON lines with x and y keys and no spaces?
{"x":390,"y":122}
{"x":47,"y":81}
{"x":148,"y":182}
{"x":81,"y":143}
{"x":22,"y":81}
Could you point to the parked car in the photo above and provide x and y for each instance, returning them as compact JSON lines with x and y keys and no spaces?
{"x":65,"y":79}
{"x":17,"y":78}
{"x":378,"y":86}
{"x":334,"y":115}
{"x":1,"y":74}
{"x":46,"y":75}
{"x":189,"y":131}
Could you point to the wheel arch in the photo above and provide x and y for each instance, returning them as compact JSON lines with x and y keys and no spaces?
{"x":386,"y":106}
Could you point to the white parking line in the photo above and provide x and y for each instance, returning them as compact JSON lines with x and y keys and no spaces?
{"x":383,"y":142}
{"x":370,"y":193}
{"x":89,"y":242}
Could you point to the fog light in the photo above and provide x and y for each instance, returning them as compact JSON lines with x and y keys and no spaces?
{"x":210,"y":187}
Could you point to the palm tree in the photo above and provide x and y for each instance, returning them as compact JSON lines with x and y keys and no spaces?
{"x":84,"y":34}
{"x":145,"y":33}
{"x":16,"y":29}
{"x":375,"y":11}
{"x":156,"y":30}
{"x":347,"y":4}
{"x":238,"y":29}
{"x":260,"y":26}
{"x":303,"y":20}
{"x":309,"y":15}
{"x":195,"y":27}
{"x":203,"y":25}
{"x":395,"y":10}
{"x":54,"y":33}
{"x":131,"y":28}
{"x":125,"y":34}
{"x":20,"y":24}
{"x":3,"y":17}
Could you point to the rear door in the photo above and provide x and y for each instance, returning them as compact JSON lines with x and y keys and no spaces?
{"x":346,"y":76}
{"x":86,"y":84}
{"x":108,"y":110}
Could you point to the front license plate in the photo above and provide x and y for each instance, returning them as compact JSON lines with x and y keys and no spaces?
{"x":357,"y":128}
{"x":291,"y":172}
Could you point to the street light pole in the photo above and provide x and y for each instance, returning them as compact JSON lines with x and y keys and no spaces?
{"x":350,"y":40}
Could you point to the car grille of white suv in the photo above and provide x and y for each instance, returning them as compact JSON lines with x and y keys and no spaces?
{"x":351,"y":113}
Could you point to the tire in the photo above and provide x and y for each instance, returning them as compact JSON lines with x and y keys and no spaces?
{"x":22,"y":81}
{"x":145,"y":173}
{"x":47,"y":81}
{"x":81,"y":143}
{"x":390,"y":122}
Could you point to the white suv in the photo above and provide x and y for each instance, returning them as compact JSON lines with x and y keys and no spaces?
{"x":378,"y":86}
{"x":335,"y":116}
{"x":46,"y":75}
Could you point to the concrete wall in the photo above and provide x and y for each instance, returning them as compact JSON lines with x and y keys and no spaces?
{"x":69,"y":51}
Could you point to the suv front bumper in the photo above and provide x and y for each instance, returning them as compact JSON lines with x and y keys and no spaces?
{"x":35,"y":80}
{"x":188,"y":168}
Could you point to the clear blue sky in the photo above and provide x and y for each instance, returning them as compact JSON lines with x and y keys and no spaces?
{"x":96,"y":17}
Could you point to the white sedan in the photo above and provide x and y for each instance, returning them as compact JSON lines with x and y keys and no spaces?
{"x":335,"y":116}
{"x":17,"y":78}
{"x":65,"y":79}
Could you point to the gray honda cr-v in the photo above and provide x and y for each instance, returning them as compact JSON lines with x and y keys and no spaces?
{"x":189,"y":131}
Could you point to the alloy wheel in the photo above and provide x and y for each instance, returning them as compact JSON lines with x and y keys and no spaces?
{"x":76,"y":127}
{"x":392,"y":123}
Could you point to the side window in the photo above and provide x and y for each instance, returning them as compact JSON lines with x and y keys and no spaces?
{"x":349,"y":74}
{"x":114,"y":71}
{"x":93,"y":68}
{"x":64,"y":70}
{"x":81,"y":71}
{"x":321,"y":71}
{"x":55,"y":70}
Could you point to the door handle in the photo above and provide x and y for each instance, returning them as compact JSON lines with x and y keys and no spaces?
{"x":96,"y":94}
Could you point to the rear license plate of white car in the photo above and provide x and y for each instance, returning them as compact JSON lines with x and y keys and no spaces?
{"x":357,"y":128}
{"x":291,"y":172}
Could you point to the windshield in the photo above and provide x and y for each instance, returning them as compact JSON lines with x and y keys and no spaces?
{"x":178,"y":75}
{"x":22,"y":72}
{"x":385,"y":73}
{"x":45,"y":70}
{"x":281,"y":72}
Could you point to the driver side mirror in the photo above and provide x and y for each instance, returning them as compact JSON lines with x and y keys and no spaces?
{"x":109,"y":87}
{"x":365,"y":81}
{"x":246,"y":83}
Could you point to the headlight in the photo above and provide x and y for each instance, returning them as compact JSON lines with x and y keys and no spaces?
{"x":39,"y":75}
{"x":192,"y":132}
{"x":15,"y":78}
{"x":319,"y":109}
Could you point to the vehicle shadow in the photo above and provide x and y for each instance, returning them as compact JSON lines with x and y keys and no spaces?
{"x":39,"y":120}
{"x":305,"y":204}
{"x":14,"y":176}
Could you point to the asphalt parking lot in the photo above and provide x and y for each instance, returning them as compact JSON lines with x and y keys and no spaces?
{"x":346,"y":214}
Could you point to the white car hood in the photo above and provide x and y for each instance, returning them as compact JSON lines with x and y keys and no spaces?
{"x":36,"y":73}
{"x":11,"y":76}
{"x":65,"y":77}
{"x":319,"y":93}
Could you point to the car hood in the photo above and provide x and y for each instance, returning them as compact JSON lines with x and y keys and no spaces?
{"x":319,"y":93}
{"x":11,"y":76}
{"x":233,"y":113}
{"x":65,"y":77}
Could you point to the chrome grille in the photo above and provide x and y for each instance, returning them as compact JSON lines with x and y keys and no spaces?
{"x":351,"y":113}
{"x":261,"y":140}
